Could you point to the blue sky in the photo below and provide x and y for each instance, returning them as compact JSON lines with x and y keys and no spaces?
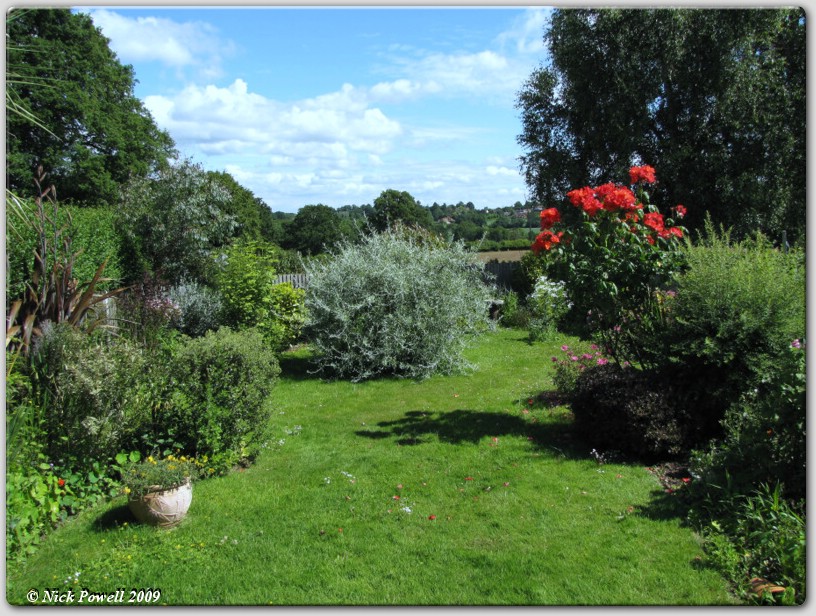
{"x":335,"y":105}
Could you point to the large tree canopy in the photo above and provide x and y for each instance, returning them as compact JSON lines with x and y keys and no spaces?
{"x":61,"y":70}
{"x":393,"y":206}
{"x":713,"y":99}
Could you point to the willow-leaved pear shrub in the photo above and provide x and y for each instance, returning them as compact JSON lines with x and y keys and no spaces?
{"x":402,"y":302}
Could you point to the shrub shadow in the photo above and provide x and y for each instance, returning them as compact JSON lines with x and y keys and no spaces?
{"x":296,"y":367}
{"x":113,"y":518}
{"x":470,"y":426}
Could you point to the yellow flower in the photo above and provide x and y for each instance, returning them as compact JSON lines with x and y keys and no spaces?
{"x":127,"y":490}
{"x":150,"y":459}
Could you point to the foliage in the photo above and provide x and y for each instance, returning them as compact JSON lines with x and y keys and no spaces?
{"x":172,"y":222}
{"x":714,"y":98}
{"x":89,"y":384}
{"x":612,"y":256}
{"x":572,"y":364}
{"x":151,"y":474}
{"x":762,"y":537}
{"x":245,"y":279}
{"x":513,"y":313}
{"x":633,"y":412}
{"x":285,"y":318}
{"x":200,"y":308}
{"x":764,"y":438}
{"x":92,"y":228}
{"x":219,"y":405}
{"x":402,"y":302}
{"x":736,"y":311}
{"x":548,"y":305}
{"x":85,"y":123}
{"x":52,"y":294}
{"x":248,"y":211}
{"x":315,"y":229}
{"x":395,"y":207}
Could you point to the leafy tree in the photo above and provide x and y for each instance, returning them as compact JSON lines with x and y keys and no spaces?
{"x":172,"y":223}
{"x":394,"y":206}
{"x":242,"y":205}
{"x":314,"y":229}
{"x":82,"y":121}
{"x":715,"y":99}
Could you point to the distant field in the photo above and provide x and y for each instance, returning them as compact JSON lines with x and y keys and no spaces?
{"x":502,"y":255}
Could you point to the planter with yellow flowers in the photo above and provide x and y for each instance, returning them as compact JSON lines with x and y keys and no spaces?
{"x":160,"y":490}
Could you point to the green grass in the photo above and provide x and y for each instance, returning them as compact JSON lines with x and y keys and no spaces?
{"x":524,"y":514}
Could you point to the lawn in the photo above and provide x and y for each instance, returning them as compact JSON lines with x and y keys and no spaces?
{"x":454,"y":490}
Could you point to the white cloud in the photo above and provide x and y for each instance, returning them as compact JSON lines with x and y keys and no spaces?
{"x":152,"y":39}
{"x":494,"y":170}
{"x":526,"y":35}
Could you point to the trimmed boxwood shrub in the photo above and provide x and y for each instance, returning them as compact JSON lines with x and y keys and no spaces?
{"x":632,"y":412}
{"x":403,"y":302}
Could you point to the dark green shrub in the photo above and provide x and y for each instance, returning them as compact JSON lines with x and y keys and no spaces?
{"x":735,"y":313}
{"x":630,"y":411}
{"x":219,"y":405}
{"x":513,"y":313}
{"x":764,"y":440}
{"x":401,"y":302}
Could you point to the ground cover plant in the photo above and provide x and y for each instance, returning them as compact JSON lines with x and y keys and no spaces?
{"x":455,"y":490}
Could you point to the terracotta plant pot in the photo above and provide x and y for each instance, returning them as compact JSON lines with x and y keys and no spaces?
{"x":162,"y":507}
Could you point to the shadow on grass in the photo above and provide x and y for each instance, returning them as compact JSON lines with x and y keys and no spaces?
{"x":470,"y":426}
{"x":297,"y":366}
{"x":113,"y":518}
{"x":664,"y":506}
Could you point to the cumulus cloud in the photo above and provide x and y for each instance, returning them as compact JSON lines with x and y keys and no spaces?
{"x":153,"y":39}
{"x":235,"y":120}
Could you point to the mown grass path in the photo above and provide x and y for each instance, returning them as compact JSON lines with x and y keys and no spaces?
{"x":449,"y":491}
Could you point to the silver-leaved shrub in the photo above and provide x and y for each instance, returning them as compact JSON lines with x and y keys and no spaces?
{"x":402,"y":302}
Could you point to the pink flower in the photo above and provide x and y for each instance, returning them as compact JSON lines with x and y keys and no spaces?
{"x":796,"y":344}
{"x":564,"y":347}
{"x":686,"y":479}
{"x":574,"y":358}
{"x":602,"y":361}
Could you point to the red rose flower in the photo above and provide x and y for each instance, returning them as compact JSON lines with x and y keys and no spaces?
{"x":654,"y":221}
{"x":644,"y":173}
{"x":61,"y":482}
{"x":585,"y":199}
{"x":616,"y":197}
{"x":549,"y":217}
{"x":680,"y":210}
{"x":546,"y":240}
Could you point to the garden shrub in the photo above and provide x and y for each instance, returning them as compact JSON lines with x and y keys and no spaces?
{"x":200,"y":308}
{"x":402,"y":302}
{"x":548,"y":305}
{"x":570,"y":366}
{"x":629,"y":411}
{"x":219,"y":405}
{"x":88,"y":384}
{"x":613,"y":251}
{"x":761,"y":535}
{"x":764,"y":440}
{"x":734,"y":315}
{"x":513,"y":312}
{"x":283,"y":322}
{"x":252,"y":298}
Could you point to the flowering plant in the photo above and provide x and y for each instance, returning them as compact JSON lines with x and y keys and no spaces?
{"x":153,"y":475}
{"x":548,"y":304}
{"x":570,"y":366}
{"x":613,"y":256}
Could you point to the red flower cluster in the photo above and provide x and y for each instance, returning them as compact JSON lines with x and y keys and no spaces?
{"x":549,"y":217}
{"x":546,"y":240}
{"x":644,"y":173}
{"x":610,"y":197}
{"x":61,"y":482}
